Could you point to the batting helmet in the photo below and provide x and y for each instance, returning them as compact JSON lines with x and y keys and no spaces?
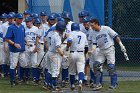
{"x":66,"y":15}
{"x":37,"y":21}
{"x":61,"y":26}
{"x":75,"y":27}
{"x":60,"y":19}
{"x":86,"y":19}
{"x":58,"y":15}
{"x":83,"y":13}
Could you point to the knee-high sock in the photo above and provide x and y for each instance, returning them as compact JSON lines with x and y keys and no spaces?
{"x":12,"y":74}
{"x":81,"y":76}
{"x":72,"y":79}
{"x":64,"y":74}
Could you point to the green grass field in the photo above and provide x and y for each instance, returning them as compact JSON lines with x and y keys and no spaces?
{"x":123,"y":87}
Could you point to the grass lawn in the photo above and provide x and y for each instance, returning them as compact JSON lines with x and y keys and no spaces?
{"x":123,"y":87}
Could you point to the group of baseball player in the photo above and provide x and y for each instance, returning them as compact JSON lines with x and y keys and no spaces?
{"x":55,"y":45}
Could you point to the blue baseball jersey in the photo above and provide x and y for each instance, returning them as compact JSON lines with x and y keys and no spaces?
{"x":17,"y":35}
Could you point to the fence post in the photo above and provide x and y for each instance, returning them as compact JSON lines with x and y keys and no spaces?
{"x":110,"y":13}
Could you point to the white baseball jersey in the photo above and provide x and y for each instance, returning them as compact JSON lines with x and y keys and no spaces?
{"x":104,"y":38}
{"x":1,"y":35}
{"x":5,"y":28}
{"x":46,"y":26}
{"x":79,"y":41}
{"x":41,"y":31}
{"x":53,"y":58}
{"x":31,"y":34}
{"x":54,"y":40}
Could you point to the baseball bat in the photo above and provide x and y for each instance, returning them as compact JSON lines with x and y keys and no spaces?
{"x":126,"y":56}
{"x":42,"y":59}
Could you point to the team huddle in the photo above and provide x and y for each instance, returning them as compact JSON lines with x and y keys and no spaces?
{"x":53,"y":46}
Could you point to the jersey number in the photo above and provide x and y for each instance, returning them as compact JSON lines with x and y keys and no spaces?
{"x":105,"y":40}
{"x":50,"y":40}
{"x":79,"y":37}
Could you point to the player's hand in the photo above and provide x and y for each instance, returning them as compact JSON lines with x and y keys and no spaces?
{"x":35,"y":50}
{"x":123,"y":49}
{"x":17,"y":46}
{"x":90,"y":53}
{"x":5,"y":48}
{"x":27,"y":44}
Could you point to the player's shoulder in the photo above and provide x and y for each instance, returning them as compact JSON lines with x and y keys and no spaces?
{"x":34,"y":27}
{"x":105,"y":27}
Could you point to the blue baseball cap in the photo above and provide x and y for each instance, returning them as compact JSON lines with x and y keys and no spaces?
{"x":19,"y":15}
{"x":27,"y":12}
{"x":37,"y":21}
{"x":10,"y":16}
{"x":86,"y":19}
{"x":28,"y":19}
{"x":43,"y":14}
{"x":4,"y":16}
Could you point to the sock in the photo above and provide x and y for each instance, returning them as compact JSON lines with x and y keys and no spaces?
{"x":113,"y":80}
{"x":76,"y":77}
{"x":64,"y":74}
{"x":81,"y":76}
{"x":3,"y":68}
{"x":34,"y":73}
{"x":72,"y":79}
{"x":85,"y":77}
{"x":27,"y":73}
{"x":12,"y":74}
{"x":92,"y":75}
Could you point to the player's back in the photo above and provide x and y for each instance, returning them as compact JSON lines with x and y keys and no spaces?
{"x":53,"y":40}
{"x":79,"y":41}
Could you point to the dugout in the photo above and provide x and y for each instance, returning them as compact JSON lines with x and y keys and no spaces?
{"x":7,"y":6}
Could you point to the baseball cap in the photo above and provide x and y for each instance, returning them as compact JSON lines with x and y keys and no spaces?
{"x":28,"y":19}
{"x":19,"y":15}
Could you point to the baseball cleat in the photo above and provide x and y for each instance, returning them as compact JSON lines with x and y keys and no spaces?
{"x":97,"y":87}
{"x":80,"y":88}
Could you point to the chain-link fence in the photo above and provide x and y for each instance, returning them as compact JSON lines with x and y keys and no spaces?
{"x":126,"y":22}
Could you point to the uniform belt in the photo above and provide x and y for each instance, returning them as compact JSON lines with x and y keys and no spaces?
{"x":41,"y":43}
{"x":75,"y":51}
{"x":31,"y":45}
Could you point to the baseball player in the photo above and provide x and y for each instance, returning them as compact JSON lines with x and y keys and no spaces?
{"x":15,"y":36}
{"x":6,"y":53}
{"x":32,"y":38}
{"x":3,"y":18}
{"x":54,"y":53}
{"x":26,"y":14}
{"x":89,"y":58}
{"x":65,"y":65}
{"x":104,"y":39}
{"x":77,"y":41}
{"x":82,"y":14}
{"x":44,"y":17}
{"x":40,"y":52}
{"x":1,"y":49}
